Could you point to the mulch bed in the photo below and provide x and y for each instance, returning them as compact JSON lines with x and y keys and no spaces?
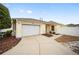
{"x":7,"y":43}
{"x":67,"y":38}
{"x":76,"y":50}
{"x":48,"y":35}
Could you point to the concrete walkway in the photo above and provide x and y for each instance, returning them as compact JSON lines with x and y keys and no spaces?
{"x":39,"y":45}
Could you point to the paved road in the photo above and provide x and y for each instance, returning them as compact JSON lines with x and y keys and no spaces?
{"x":39,"y":45}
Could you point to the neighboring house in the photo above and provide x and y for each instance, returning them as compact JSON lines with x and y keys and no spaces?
{"x":28,"y":26}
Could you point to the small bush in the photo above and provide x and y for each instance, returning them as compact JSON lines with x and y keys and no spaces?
{"x":2,"y":34}
{"x":5,"y":34}
{"x":8,"y":33}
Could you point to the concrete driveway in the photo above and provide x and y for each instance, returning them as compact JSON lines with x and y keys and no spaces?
{"x":39,"y":45}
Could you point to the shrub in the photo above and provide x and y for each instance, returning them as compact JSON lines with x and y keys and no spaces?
{"x":5,"y":19}
{"x":8,"y":33}
{"x":1,"y":35}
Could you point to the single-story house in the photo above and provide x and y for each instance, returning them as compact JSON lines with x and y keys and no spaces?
{"x":28,"y":26}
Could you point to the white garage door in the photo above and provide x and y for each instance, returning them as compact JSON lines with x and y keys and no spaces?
{"x":28,"y":30}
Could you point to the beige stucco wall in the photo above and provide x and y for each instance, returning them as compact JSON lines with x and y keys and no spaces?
{"x":42,"y":28}
{"x":19,"y":27}
{"x":57,"y":27}
{"x":48,"y":28}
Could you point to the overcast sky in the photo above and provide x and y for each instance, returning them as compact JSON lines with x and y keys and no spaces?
{"x":62,"y":13}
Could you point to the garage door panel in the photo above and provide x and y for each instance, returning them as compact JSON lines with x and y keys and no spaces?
{"x":30,"y":30}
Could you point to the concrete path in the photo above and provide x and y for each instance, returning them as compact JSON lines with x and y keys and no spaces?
{"x":39,"y":45}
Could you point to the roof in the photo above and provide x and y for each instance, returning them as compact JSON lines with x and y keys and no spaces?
{"x":53,"y":23}
{"x":37,"y":21}
{"x":30,"y":20}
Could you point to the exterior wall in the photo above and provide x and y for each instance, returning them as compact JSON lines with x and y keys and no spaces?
{"x":13,"y":28}
{"x":57,"y":28}
{"x":42,"y":29}
{"x":74,"y":31}
{"x":19,"y":27}
{"x":48,"y":27}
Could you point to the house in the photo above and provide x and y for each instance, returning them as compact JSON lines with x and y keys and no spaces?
{"x":28,"y":26}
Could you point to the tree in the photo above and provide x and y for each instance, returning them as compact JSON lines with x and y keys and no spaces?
{"x":5,"y":20}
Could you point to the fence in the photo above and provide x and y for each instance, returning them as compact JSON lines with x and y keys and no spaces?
{"x":68,"y":30}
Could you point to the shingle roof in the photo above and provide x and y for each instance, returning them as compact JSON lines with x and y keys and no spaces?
{"x":53,"y":23}
{"x":37,"y":20}
{"x":30,"y":20}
